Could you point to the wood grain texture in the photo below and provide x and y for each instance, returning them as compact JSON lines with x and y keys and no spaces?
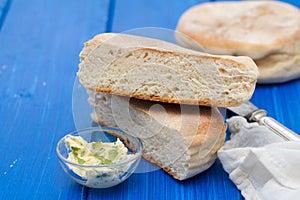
{"x":4,"y":8}
{"x":40,"y":42}
{"x":137,"y":14}
{"x":282,"y":101}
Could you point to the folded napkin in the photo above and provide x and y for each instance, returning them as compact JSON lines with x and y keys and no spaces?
{"x":260,"y":163}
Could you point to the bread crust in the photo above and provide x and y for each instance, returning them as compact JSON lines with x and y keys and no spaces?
{"x":266,"y":31}
{"x":126,"y":52}
{"x":201,"y":134}
{"x":251,"y":28}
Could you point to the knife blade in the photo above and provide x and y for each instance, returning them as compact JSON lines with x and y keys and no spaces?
{"x":253,"y":113}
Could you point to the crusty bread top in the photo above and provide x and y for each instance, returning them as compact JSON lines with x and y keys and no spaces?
{"x":129,"y":42}
{"x":137,"y":42}
{"x":198,"y":125}
{"x":251,"y":28}
{"x":189,"y":120}
{"x":203,"y":123}
{"x":181,"y":139}
{"x":152,"y":69}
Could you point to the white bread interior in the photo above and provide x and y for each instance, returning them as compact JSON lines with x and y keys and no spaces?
{"x":266,"y":31}
{"x":181,"y":139}
{"x":154,"y":70}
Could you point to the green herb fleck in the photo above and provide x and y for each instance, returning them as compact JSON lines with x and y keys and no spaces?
{"x":112,"y":154}
{"x":80,"y":161}
{"x":103,"y":160}
{"x":97,"y":145}
{"x":101,"y":150}
{"x":106,"y":162}
{"x":75,"y":148}
{"x":98,"y":157}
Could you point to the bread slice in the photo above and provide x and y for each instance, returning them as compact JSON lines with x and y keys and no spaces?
{"x":181,"y":139}
{"x":266,"y":31}
{"x":154,"y":70}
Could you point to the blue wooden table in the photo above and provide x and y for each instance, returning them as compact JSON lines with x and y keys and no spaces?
{"x":39,"y":46}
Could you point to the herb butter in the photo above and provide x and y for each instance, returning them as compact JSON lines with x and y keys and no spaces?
{"x":97,"y":154}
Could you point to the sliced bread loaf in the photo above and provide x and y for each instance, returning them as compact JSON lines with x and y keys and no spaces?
{"x":155,"y":70}
{"x":181,"y":139}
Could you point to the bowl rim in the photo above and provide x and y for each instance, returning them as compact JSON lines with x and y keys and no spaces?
{"x":100,"y":128}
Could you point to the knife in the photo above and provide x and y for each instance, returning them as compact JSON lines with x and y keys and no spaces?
{"x":252,"y":113}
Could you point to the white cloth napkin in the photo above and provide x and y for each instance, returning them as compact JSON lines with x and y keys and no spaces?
{"x":260,"y":163}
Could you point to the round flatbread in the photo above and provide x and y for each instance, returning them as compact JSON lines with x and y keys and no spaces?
{"x":267,"y":31}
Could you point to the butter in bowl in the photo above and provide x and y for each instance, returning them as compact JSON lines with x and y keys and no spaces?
{"x":97,"y":157}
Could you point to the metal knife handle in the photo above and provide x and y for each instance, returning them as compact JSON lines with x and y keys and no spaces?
{"x":279,"y":129}
{"x":282,"y":131}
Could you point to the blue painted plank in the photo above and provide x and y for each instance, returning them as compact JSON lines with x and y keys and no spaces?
{"x":40,"y":42}
{"x":151,"y":13}
{"x":281,"y":102}
{"x":39,"y":50}
{"x":293,"y":2}
{"x":4,"y":7}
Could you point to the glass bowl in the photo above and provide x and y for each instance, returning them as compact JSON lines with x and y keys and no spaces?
{"x":107,"y":174}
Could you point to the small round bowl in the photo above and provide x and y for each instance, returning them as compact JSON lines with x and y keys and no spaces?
{"x":103,"y":176}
